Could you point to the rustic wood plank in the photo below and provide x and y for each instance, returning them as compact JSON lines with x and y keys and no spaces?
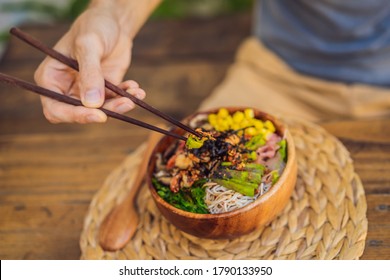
{"x":351,"y":129}
{"x":40,"y":244}
{"x":63,"y":161}
{"x":369,"y":147}
{"x":378,"y":238}
{"x":44,"y":198}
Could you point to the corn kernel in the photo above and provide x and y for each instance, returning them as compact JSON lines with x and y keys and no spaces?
{"x":238,"y":117}
{"x":222,"y":124}
{"x":229,"y":120}
{"x":244,"y":123}
{"x":264,"y":131}
{"x":223,"y":113}
{"x":258,"y":124}
{"x":269,"y":125}
{"x":235,"y":126}
{"x":221,"y":121}
{"x":249,"y":114}
{"x":251,"y":131}
{"x":212,"y":117}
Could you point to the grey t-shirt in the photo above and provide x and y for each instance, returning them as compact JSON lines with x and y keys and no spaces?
{"x":341,"y":40}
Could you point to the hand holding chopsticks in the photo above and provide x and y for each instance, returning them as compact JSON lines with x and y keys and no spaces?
{"x":66,"y":99}
{"x":72,"y":101}
{"x":73,"y":64}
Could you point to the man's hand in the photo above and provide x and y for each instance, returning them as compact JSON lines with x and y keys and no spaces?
{"x":101,"y":42}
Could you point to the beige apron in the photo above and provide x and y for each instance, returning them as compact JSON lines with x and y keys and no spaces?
{"x":260,"y":79}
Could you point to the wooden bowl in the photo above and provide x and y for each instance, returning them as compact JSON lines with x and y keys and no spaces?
{"x":237,"y":222}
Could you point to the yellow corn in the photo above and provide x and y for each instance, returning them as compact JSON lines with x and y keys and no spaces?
{"x":223,"y":113}
{"x":212,"y":118}
{"x":249,"y":114}
{"x":223,"y":121}
{"x":235,"y":126}
{"x":269,"y":125}
{"x":251,"y":131}
{"x":229,"y":120}
{"x":238,"y":117}
{"x":245,"y":123}
{"x":258,"y":124}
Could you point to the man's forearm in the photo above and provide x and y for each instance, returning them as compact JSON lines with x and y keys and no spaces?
{"x":131,"y":14}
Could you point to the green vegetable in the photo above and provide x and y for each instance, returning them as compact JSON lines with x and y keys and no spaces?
{"x":194,"y":142}
{"x":253,"y":156}
{"x":198,"y":195}
{"x":244,"y":181}
{"x":275,"y":176}
{"x":255,"y":167}
{"x":244,"y":175}
{"x":283,"y":149}
{"x":256,"y":142}
{"x":240,"y":186}
{"x":190,"y":199}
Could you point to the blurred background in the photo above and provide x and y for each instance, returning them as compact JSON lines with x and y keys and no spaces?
{"x":14,"y":12}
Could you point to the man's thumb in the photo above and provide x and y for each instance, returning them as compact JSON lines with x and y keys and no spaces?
{"x":91,"y":80}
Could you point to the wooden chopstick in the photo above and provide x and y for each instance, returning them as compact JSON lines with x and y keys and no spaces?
{"x":69,"y":100}
{"x":73,"y":64}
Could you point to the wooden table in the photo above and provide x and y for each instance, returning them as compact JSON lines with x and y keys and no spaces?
{"x":49,"y":173}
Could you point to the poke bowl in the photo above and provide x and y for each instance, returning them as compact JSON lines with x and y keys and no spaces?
{"x":238,"y":176}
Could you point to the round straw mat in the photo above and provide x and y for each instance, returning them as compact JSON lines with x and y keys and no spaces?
{"x":324,"y":219}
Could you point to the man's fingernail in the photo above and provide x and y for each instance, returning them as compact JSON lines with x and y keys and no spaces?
{"x":93,"y":118}
{"x":92,"y":98}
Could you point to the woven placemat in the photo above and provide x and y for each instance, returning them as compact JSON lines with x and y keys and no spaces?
{"x":324,"y":219}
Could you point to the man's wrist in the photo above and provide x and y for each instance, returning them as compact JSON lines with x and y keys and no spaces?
{"x":131,"y":14}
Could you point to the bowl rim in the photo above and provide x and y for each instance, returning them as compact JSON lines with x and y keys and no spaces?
{"x":263,"y":198}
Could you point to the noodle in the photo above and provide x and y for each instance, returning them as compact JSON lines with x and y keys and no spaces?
{"x":220,"y":199}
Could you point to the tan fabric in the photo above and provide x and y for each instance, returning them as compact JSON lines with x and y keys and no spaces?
{"x":260,"y":79}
